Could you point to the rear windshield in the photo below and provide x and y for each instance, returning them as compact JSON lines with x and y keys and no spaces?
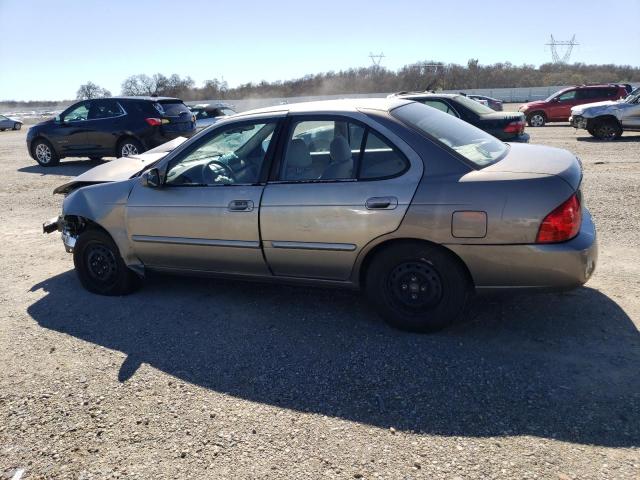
{"x":474,"y":144}
{"x":472,"y":105}
{"x":171,"y":108}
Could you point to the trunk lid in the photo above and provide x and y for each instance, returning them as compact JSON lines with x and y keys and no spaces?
{"x":539,"y":160}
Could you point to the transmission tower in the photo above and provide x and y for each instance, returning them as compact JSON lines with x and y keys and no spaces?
{"x":376,"y":59}
{"x":568,"y":44}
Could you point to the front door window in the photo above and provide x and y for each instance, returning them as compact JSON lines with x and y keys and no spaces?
{"x":232,"y":155}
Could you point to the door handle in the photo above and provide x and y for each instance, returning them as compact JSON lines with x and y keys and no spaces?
{"x":241,"y":205}
{"x":381,"y":203}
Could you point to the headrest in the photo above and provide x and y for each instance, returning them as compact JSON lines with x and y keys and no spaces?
{"x":339,"y":149}
{"x":298,"y":155}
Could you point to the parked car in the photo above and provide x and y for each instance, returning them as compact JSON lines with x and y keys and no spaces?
{"x":209,"y":113}
{"x":492,"y":103}
{"x":607,"y":120}
{"x":9,"y":123}
{"x":109,"y":127}
{"x":416,"y":207}
{"x":557,"y":108}
{"x":507,"y":126}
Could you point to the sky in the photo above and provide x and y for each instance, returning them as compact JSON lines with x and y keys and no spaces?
{"x":48,"y":48}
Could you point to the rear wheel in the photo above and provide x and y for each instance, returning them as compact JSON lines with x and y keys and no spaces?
{"x":100,"y":267}
{"x":417,"y":287}
{"x":44,"y":153}
{"x":536,"y":119}
{"x":607,"y":130}
{"x":129,"y":146}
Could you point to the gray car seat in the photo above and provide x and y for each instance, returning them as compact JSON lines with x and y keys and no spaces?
{"x":341,"y":165}
{"x":298,"y":162}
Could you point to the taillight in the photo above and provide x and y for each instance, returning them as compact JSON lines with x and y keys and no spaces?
{"x":515,"y":127}
{"x":563,"y":223}
{"x":155,"y":122}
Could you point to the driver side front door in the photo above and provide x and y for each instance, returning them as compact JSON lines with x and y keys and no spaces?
{"x":206,"y":215}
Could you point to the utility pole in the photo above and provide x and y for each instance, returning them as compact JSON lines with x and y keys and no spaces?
{"x":568,"y":44}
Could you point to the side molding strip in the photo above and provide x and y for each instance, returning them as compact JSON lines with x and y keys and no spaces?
{"x":341,"y":247}
{"x":195,"y":241}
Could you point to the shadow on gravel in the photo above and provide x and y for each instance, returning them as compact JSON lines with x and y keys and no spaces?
{"x":69,"y":168}
{"x":562,"y":366}
{"x":623,"y":139}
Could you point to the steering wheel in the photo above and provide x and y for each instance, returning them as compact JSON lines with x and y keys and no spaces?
{"x":210,"y":175}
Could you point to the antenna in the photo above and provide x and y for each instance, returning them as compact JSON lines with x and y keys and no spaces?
{"x":568,"y":44}
{"x":376,"y":59}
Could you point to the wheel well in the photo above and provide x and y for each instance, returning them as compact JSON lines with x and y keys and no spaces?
{"x":39,"y":137}
{"x":604,"y":118}
{"x":542,"y":112}
{"x":122,"y":139}
{"x":78,"y":224}
{"x":399,"y":241}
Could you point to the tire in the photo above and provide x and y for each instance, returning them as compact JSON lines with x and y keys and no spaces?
{"x":129,"y":146}
{"x":17,"y":126}
{"x":417,"y":287}
{"x":44,"y":153}
{"x":607,"y":130}
{"x":536,"y":119}
{"x":100,"y":267}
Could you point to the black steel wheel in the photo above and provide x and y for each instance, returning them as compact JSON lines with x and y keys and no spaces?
{"x":100,"y":267}
{"x":417,"y":286}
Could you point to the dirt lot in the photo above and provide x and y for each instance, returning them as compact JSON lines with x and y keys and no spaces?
{"x":217,"y":379}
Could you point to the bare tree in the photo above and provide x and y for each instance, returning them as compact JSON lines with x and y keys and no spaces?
{"x":90,"y":90}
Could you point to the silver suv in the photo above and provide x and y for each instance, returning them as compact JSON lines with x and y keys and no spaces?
{"x":607,"y":120}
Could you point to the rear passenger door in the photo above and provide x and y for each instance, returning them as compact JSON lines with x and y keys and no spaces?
{"x":105,"y":120}
{"x":338,"y":184}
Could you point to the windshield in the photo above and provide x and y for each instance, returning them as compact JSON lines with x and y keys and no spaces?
{"x":472,"y":105}
{"x":474,"y":144}
{"x":633,"y":97}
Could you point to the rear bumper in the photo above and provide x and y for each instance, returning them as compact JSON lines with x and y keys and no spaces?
{"x":522,"y":138}
{"x":557,"y":266}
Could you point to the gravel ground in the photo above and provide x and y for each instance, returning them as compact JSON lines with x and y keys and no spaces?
{"x":193,"y":378}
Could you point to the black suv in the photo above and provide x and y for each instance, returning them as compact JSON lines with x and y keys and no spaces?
{"x":109,"y":127}
{"x":507,"y":126}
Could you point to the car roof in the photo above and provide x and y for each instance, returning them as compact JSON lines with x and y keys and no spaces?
{"x":426,"y":94}
{"x":212,"y":105}
{"x":144,"y":97}
{"x":344,"y":105}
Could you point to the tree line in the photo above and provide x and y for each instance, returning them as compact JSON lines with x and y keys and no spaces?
{"x":419,"y":76}
{"x":423,"y":75}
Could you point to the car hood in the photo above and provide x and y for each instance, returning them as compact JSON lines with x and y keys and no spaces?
{"x":120,"y":169}
{"x":539,"y":160}
{"x":598,"y":108}
{"x":529,"y":105}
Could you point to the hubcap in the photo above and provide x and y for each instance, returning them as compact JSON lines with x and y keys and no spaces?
{"x":415,"y":285}
{"x":537,"y":121}
{"x":101,"y":263}
{"x":129,"y":149}
{"x":43,"y":153}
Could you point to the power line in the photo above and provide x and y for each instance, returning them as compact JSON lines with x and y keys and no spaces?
{"x":568,"y":44}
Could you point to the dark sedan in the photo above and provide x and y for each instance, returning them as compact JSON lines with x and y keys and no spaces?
{"x":507,"y":126}
{"x":110,"y":127}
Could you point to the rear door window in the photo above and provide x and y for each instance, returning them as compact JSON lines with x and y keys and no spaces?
{"x":330,"y":150}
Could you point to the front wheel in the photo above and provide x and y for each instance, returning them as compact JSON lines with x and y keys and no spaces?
{"x":44,"y":153}
{"x":607,"y":130}
{"x":417,"y":287}
{"x":17,"y":126}
{"x":100,"y":267}
{"x":536,"y":119}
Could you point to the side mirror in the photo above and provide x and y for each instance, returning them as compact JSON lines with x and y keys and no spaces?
{"x":151,"y":178}
{"x":57,"y":119}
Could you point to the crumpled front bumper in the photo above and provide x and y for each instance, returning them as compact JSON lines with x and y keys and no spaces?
{"x":57,"y":224}
{"x":578,"y":121}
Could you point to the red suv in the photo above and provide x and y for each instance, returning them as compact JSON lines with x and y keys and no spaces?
{"x":557,"y":108}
